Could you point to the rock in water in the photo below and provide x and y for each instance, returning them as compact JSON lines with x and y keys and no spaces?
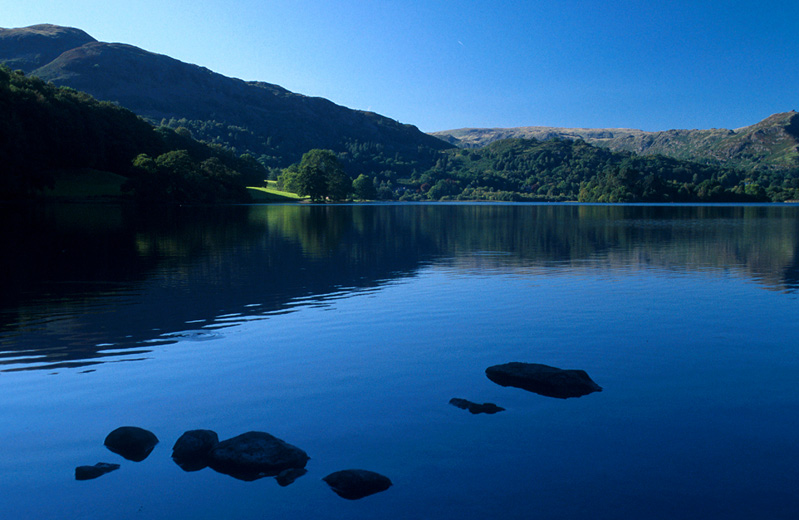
{"x":131,"y":442}
{"x":475,"y":408}
{"x":253,"y":455}
{"x":353,"y":484}
{"x":191,"y":451}
{"x":543,"y":379}
{"x":288,"y":476}
{"x":90,"y":472}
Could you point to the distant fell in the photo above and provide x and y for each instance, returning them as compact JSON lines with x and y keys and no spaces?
{"x":479,"y":137}
{"x":29,"y":48}
{"x":771,"y":144}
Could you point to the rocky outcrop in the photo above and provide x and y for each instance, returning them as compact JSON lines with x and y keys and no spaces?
{"x":353,"y":484}
{"x":131,"y":442}
{"x":767,"y":144}
{"x":192,"y":450}
{"x":90,"y":472}
{"x":254,"y":455}
{"x":475,"y":408}
{"x":543,"y":379}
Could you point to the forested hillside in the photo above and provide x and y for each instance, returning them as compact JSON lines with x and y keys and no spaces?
{"x":47,"y":131}
{"x":261,"y":119}
{"x":563,"y":169}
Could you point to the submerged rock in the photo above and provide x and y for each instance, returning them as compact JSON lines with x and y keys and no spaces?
{"x":254,"y":455}
{"x":288,"y":476}
{"x":543,"y":379}
{"x":131,"y":442}
{"x":191,"y":451}
{"x":90,"y":472}
{"x":475,"y":408}
{"x":353,"y":484}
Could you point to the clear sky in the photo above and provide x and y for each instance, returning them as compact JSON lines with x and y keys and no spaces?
{"x":448,"y":64}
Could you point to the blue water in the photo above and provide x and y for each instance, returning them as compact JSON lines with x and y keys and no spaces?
{"x":347,"y":332}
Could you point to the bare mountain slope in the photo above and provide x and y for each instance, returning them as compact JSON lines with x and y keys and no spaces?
{"x":29,"y":48}
{"x":771,"y":144}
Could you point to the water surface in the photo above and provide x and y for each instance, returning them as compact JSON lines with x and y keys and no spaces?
{"x":345,"y":330}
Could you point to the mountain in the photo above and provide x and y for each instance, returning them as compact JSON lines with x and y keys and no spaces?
{"x":277,"y":126}
{"x":263,"y":119}
{"x":29,"y":48}
{"x":772,"y":144}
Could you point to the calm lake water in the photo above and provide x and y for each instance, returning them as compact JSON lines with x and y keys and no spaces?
{"x":346,"y":330}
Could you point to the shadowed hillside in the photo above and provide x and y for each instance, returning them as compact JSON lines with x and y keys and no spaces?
{"x":29,"y":48}
{"x":59,"y":142}
{"x":268,"y":121}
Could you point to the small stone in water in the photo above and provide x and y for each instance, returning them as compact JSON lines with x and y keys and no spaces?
{"x":90,"y":472}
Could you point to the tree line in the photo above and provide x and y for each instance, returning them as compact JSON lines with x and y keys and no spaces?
{"x":47,"y":129}
{"x":553,"y":170}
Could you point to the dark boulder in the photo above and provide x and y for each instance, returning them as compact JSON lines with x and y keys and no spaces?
{"x":543,"y":379}
{"x":353,"y":484}
{"x":475,"y":408}
{"x":254,"y":455}
{"x":191,"y":451}
{"x":131,"y":442}
{"x":288,"y":476}
{"x":90,"y":472}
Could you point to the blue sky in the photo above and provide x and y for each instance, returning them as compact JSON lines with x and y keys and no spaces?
{"x":451,"y":64}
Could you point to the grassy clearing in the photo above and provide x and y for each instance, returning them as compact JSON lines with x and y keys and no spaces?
{"x":272,"y":194}
{"x":88,"y":185}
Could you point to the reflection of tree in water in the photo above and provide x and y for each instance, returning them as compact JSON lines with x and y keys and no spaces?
{"x":761,"y":241}
{"x":83,"y":276}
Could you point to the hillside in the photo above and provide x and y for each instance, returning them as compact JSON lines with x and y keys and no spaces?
{"x":273,"y":124}
{"x":249,"y":125}
{"x":772,"y":144}
{"x":58,"y":142}
{"x":573,"y":170}
{"x":29,"y":48}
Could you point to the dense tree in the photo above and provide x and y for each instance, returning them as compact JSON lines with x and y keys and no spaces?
{"x":288,"y":180}
{"x":319,"y":175}
{"x":176,"y":177}
{"x":561,"y":169}
{"x":313,"y":173}
{"x":364,"y":188}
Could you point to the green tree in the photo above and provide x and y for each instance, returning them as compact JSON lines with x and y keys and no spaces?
{"x":364,"y":188}
{"x":339,"y":185}
{"x":322,"y":176}
{"x":289,"y":180}
{"x":145,"y":163}
{"x":175,"y":176}
{"x":755,"y":191}
{"x":253,"y":173}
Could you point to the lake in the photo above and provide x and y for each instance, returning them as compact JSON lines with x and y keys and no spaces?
{"x":345,"y":330}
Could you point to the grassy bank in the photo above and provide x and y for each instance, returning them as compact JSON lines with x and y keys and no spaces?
{"x":271,"y":194}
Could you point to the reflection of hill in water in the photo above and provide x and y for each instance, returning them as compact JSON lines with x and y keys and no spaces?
{"x":88,"y":283}
{"x":761,"y":242}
